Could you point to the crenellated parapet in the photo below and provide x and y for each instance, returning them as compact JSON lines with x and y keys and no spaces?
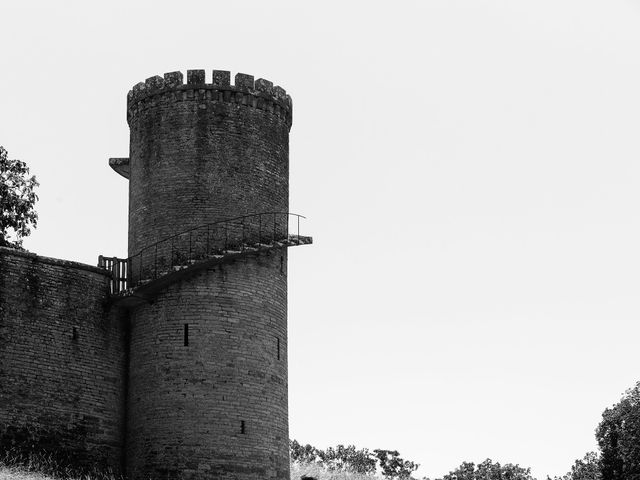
{"x":260,"y":94}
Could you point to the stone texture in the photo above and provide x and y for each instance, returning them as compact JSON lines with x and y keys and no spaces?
{"x":243,"y":80}
{"x":195,"y":77}
{"x":228,"y":374}
{"x":138,"y":391}
{"x":265,"y":86}
{"x":173,"y":79}
{"x":221,"y":78}
{"x":198,"y":160}
{"x":62,"y":362}
{"x":154,"y":83}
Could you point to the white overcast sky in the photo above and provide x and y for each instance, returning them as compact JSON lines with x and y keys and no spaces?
{"x":471,"y":174}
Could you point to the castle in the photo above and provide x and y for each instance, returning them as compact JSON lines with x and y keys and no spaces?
{"x":171,"y":363}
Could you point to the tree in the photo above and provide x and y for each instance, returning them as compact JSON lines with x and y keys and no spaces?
{"x":17,"y":198}
{"x":393,"y":466}
{"x":350,"y":459}
{"x":488,"y":470}
{"x":618,"y":436}
{"x":587,"y":468}
{"x":303,"y":453}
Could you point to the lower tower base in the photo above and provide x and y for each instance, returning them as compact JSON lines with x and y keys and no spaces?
{"x":208,"y":375}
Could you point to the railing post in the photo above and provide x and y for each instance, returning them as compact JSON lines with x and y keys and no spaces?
{"x":114,"y":275}
{"x":259,"y":229}
{"x":226,"y":234}
{"x":298,"y":239}
{"x":120,"y":275}
{"x":242,"y":248}
{"x":116,"y":281}
{"x":274,"y":227}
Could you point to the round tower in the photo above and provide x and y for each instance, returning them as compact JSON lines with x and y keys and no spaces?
{"x":203,"y":152}
{"x":208,"y":355}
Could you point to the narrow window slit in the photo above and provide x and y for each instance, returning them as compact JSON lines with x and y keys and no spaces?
{"x":186,"y":334}
{"x":242,"y":427}
{"x":74,"y":335}
{"x":278,"y":343}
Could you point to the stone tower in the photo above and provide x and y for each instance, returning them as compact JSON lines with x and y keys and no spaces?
{"x":171,"y":363}
{"x":208,"y":226}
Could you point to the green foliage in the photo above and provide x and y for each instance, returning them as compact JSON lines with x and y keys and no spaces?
{"x":17,"y":198}
{"x":488,"y":470}
{"x":618,"y":436}
{"x":350,"y":459}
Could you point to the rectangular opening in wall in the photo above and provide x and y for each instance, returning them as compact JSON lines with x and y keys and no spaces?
{"x":186,"y":334}
{"x":278,"y":346}
{"x":243,"y":429}
{"x":74,"y":335}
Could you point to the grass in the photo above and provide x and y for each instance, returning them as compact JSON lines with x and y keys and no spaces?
{"x":21,"y":472}
{"x":39,"y":467}
{"x":15,"y":473}
{"x":32,"y":469}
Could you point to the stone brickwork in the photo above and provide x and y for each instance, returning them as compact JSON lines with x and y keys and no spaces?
{"x":215,"y":405}
{"x":201,"y":153}
{"x":62,"y":362}
{"x":190,"y":383}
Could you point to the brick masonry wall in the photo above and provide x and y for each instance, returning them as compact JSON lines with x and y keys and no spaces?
{"x":203,"y":153}
{"x":62,"y":362}
{"x":216,"y":407}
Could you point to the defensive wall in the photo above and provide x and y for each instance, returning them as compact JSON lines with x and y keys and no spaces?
{"x":62,"y":361}
{"x":171,"y":363}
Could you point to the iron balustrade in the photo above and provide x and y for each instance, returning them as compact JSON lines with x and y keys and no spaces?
{"x":235,"y":235}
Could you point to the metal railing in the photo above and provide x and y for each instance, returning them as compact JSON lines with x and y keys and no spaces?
{"x":119,"y":272}
{"x":239,"y":234}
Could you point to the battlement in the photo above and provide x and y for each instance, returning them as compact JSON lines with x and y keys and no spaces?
{"x":260,"y":94}
{"x":171,"y":363}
